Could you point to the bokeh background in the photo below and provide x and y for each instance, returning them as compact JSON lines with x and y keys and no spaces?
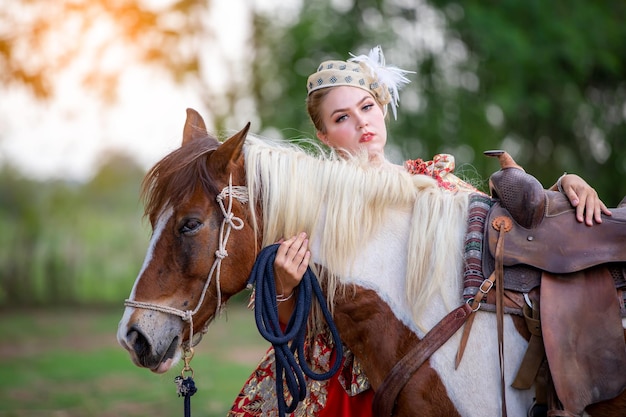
{"x":93,"y":93}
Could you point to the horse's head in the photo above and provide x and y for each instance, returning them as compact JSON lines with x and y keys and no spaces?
{"x":202,"y":231}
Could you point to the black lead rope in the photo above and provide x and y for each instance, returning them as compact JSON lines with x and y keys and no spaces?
{"x":288,"y":369}
{"x":186,"y":388}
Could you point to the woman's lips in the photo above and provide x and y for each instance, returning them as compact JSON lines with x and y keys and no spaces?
{"x":366,"y":137}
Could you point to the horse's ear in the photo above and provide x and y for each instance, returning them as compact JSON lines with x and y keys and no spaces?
{"x":230,"y":151}
{"x":194,"y":127}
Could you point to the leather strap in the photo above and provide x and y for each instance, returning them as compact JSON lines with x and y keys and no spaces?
{"x":484,"y":288}
{"x":502,"y":224}
{"x":535,"y":353}
{"x":386,"y":395}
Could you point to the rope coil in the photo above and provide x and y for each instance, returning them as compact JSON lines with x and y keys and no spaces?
{"x":286,"y":344}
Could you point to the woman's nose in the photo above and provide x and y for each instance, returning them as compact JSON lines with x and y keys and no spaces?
{"x":361,"y":121}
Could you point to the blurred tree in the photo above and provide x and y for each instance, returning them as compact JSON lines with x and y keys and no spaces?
{"x":118,"y":177}
{"x":67,"y":243}
{"x":21,"y":219}
{"x":551,"y":83}
{"x":96,"y":40}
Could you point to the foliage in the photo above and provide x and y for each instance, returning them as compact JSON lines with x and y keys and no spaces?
{"x":95,"y":40}
{"x":66,"y":243}
{"x":555,"y":72}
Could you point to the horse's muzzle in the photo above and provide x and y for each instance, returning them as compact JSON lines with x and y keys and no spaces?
{"x":152,"y":346}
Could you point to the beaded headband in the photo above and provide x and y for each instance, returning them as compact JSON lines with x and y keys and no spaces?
{"x":367,"y":72}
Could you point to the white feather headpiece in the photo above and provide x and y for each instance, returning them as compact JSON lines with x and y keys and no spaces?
{"x":390,"y":78}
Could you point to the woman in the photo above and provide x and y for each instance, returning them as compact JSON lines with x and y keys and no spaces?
{"x":347,"y":103}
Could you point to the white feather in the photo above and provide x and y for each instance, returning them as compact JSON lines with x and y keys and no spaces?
{"x":390,"y":77}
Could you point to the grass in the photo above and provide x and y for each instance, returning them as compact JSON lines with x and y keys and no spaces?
{"x":67,"y":363}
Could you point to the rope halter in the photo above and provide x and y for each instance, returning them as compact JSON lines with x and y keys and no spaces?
{"x":230,"y":221}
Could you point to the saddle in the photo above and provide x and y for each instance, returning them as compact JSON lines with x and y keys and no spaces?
{"x":577,"y":269}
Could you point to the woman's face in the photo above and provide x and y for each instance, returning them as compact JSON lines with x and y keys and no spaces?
{"x":353,"y":120}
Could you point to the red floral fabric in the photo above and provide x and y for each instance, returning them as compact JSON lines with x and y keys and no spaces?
{"x":441,"y":168}
{"x":347,"y":393}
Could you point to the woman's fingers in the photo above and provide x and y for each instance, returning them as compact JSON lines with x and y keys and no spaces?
{"x":584,"y":198}
{"x":292,"y":260}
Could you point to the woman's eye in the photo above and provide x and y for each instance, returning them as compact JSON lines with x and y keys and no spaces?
{"x":190,"y":226}
{"x":367,"y":107}
{"x":341,"y":118}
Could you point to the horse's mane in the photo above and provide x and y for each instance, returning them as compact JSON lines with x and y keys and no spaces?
{"x":175,"y":177}
{"x":352,"y":198}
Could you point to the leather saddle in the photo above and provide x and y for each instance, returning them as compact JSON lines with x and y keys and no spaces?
{"x":577,"y":269}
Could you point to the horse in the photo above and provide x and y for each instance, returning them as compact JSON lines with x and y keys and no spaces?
{"x":390,"y":245}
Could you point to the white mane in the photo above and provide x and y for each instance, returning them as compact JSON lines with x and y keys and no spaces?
{"x":351,"y":198}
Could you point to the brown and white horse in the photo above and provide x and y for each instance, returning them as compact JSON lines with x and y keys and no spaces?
{"x":395,"y":241}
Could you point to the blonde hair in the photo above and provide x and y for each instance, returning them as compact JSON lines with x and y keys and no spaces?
{"x":314,"y":108}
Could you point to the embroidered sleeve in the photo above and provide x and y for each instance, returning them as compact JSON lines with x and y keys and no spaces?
{"x":352,"y":376}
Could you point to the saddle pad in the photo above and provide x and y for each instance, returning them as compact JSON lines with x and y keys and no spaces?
{"x":583,"y":337}
{"x":478,"y":208}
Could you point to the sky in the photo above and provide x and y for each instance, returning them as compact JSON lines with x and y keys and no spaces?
{"x":66,"y":137}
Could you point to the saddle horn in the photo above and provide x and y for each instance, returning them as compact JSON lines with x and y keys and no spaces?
{"x":520,"y":193}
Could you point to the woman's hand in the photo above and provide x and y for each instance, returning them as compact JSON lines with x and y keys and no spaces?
{"x":584,"y":198}
{"x":292,"y":260}
{"x":290,"y":264}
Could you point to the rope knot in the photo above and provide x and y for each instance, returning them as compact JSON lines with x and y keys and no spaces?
{"x":185,"y":387}
{"x":221,"y":253}
{"x":187,"y":315}
{"x":235,"y":222}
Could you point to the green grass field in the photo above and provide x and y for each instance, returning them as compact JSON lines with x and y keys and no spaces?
{"x":67,"y":363}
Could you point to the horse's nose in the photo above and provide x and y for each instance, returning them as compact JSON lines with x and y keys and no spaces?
{"x":146,"y":353}
{"x":138,"y":342}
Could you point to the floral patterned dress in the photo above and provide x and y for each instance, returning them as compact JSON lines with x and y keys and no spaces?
{"x":348,"y":393}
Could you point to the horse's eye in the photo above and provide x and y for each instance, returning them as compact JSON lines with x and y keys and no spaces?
{"x":190,"y":226}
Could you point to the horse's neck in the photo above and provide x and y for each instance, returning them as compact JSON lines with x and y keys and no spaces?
{"x":368,"y":327}
{"x":381,"y":264}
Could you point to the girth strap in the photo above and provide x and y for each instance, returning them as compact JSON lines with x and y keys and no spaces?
{"x":386,"y":395}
